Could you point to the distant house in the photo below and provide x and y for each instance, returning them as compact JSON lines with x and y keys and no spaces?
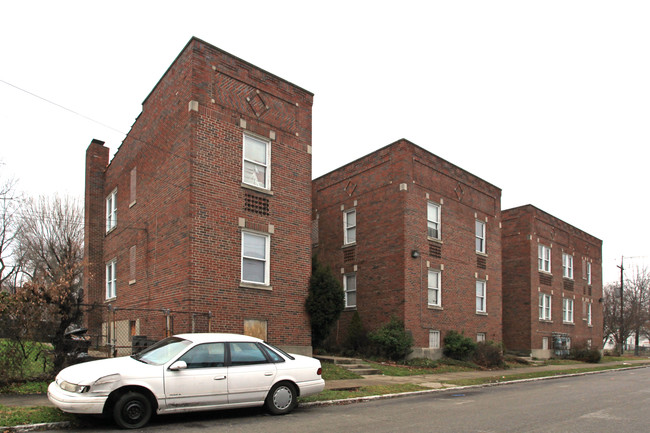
{"x":552,"y":284}
{"x":413,"y":236}
{"x":206,"y":205}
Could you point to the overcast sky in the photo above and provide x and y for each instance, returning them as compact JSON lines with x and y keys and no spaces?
{"x":548,"y":100}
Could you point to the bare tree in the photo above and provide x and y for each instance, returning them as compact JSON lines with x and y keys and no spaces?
{"x":635,"y":316}
{"x":50,"y":241}
{"x":9,"y":205}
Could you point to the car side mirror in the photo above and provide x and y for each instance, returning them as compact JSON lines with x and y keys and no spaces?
{"x":178,"y":365}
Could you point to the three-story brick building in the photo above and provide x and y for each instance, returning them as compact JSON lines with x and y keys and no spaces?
{"x":206,"y":205}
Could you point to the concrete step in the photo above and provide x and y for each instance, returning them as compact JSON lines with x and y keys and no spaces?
{"x":354,"y":365}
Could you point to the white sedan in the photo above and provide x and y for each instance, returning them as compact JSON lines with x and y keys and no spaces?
{"x":187,"y":372}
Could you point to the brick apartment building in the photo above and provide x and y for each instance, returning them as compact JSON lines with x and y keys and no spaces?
{"x":414,"y":236}
{"x":552,"y":284}
{"x":206,"y":205}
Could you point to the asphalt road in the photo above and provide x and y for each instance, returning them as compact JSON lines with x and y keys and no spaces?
{"x":617,"y":401}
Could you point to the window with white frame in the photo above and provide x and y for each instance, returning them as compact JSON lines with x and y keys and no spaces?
{"x":588,"y":314}
{"x":255,"y":258}
{"x":544,"y":258}
{"x":480,"y":296}
{"x":111,"y":211}
{"x":567,"y":265}
{"x":434,"y":288}
{"x":480,"y":237}
{"x":433,"y":220}
{"x":434,"y":339}
{"x":544,"y":306}
{"x":350,"y":290}
{"x":256,"y":167}
{"x":480,"y":336}
{"x":111,"y":279}
{"x":589,"y":273}
{"x":567,"y":310}
{"x":350,"y":226}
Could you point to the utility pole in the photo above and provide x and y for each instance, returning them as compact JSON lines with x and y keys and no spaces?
{"x":620,"y":329}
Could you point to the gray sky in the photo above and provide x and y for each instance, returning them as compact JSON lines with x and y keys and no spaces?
{"x":548,"y":100}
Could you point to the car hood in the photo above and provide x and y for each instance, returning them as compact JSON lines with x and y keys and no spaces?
{"x":88,"y":372}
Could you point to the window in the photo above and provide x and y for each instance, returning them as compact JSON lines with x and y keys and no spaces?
{"x":567,"y":265}
{"x":434,"y":339}
{"x":208,"y":355}
{"x":111,"y":279}
{"x":255,"y":258}
{"x":434,"y":289}
{"x":132,"y":256}
{"x":567,"y":310}
{"x":480,"y":237}
{"x":544,"y":306}
{"x":589,"y":273}
{"x":246,"y":354}
{"x":111,"y":211}
{"x":588,"y":314}
{"x":350,"y":226}
{"x":544,"y":343}
{"x":480,"y":296}
{"x":433,"y":220}
{"x":350,"y":289}
{"x":480,"y":337}
{"x":544,"y":258}
{"x":134,"y":177}
{"x":257,"y":171}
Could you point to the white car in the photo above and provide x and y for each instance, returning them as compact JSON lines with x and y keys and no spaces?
{"x":187,"y":372}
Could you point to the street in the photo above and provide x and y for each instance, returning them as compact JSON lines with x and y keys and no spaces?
{"x":606,"y":402}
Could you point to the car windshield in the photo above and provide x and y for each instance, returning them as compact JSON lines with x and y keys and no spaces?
{"x":163,"y":351}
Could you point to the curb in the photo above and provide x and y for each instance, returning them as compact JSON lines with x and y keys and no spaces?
{"x":68,"y":424}
{"x":452,"y":388}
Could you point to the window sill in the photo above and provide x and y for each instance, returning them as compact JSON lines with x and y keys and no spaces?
{"x":481,"y":313}
{"x":351,"y":244}
{"x":544,"y":272}
{"x":133,"y":203}
{"x":111,"y":229}
{"x":568,"y":323}
{"x":110,"y":299}
{"x":257,"y":188}
{"x":131,"y":282}
{"x":437,"y":240}
{"x":246,"y":285}
{"x":567,"y":278}
{"x":354,"y":308}
{"x":435,"y":307}
{"x":545,"y":321}
{"x":482,"y":254}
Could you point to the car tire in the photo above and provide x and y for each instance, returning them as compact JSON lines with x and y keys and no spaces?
{"x":282,"y":398}
{"x":132,"y":410}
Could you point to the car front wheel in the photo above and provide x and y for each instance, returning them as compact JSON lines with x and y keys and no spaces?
{"x":132,"y":410}
{"x":281,"y":399}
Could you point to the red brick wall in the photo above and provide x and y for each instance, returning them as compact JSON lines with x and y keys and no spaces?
{"x":186,"y":147}
{"x":524,"y":229}
{"x":390,"y":187}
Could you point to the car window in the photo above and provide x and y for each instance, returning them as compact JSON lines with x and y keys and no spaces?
{"x":163,"y":351}
{"x":246,"y":353}
{"x":208,"y":355}
{"x":271,"y":354}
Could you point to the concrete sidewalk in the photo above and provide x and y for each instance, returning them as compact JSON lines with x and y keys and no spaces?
{"x":433,"y":381}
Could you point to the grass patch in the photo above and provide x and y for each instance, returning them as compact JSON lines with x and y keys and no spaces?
{"x":335,"y":372}
{"x":420,"y":366}
{"x":25,"y":388}
{"x":11,"y":416}
{"x":532,"y":375}
{"x":365,"y":391}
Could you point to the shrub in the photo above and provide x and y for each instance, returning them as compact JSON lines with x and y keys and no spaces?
{"x":357,"y":339}
{"x":457,"y":346}
{"x":582,"y":352}
{"x":488,"y":354}
{"x":392,"y":341}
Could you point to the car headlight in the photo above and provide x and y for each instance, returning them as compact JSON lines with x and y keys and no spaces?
{"x":71,"y":387}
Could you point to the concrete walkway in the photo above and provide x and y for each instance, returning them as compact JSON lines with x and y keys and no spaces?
{"x":432,"y":381}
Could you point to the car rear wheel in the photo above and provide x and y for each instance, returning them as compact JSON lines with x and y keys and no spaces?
{"x":132,"y":410}
{"x":281,"y":399}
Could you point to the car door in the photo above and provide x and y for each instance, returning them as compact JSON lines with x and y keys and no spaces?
{"x":250,"y":373}
{"x":204,"y":381}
